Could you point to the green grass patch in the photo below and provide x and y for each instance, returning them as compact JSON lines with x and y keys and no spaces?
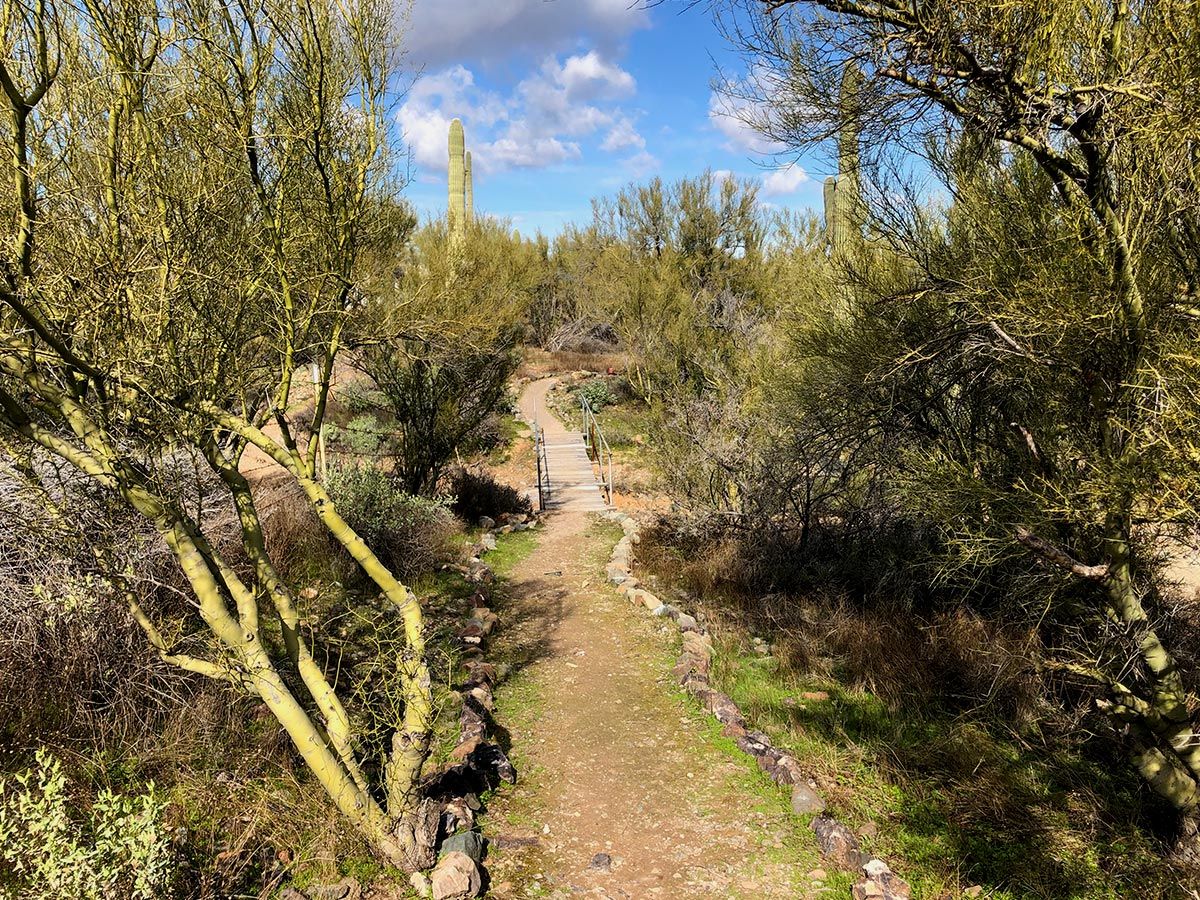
{"x":511,"y":550}
{"x":956,"y":802}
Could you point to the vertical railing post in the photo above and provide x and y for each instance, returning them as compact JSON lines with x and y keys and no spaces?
{"x":537,"y":452}
{"x":610,"y":481}
{"x":596,"y":447}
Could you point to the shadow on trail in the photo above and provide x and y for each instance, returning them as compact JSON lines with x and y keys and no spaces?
{"x":967,"y":790}
{"x":530,"y":611}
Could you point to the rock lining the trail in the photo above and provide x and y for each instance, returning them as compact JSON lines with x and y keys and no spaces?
{"x":838,"y":844}
{"x":477,"y":764}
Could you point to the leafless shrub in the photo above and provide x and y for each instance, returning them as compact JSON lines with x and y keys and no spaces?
{"x":73,"y":665}
{"x":581,"y":336}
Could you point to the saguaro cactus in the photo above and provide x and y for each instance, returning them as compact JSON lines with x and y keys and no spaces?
{"x":843,"y":193}
{"x":458,"y":190}
{"x":469,"y":188}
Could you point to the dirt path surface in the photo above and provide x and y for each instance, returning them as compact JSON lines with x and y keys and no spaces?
{"x":625,"y":790}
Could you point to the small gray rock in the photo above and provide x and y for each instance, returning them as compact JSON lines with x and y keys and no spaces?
{"x":487,"y":523}
{"x":687,"y":623}
{"x":469,"y":843}
{"x":806,"y":801}
{"x":601,"y":862}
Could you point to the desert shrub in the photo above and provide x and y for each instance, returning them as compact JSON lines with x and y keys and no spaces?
{"x":411,"y":535}
{"x":581,"y":336}
{"x":117,"y":850}
{"x":362,"y":435}
{"x":487,"y":435}
{"x":479,"y":494}
{"x":74,"y":667}
{"x":597,"y":393}
{"x":361,"y":397}
{"x":897,"y":648}
{"x":294,"y":536}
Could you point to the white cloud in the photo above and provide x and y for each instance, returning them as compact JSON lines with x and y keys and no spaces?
{"x":784,"y":181}
{"x":736,"y":111}
{"x":641,"y":164}
{"x":456,"y":31}
{"x":433,"y":101}
{"x":733,"y":117}
{"x":589,"y":77}
{"x":542,"y":122}
{"x":622,"y":135}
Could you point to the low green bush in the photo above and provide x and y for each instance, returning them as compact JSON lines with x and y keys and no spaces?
{"x":410,"y":535}
{"x":117,"y":850}
{"x":362,"y":436}
{"x":597,"y":393}
{"x":361,"y":397}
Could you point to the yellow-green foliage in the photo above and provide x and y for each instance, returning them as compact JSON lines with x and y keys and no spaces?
{"x":116,"y":850}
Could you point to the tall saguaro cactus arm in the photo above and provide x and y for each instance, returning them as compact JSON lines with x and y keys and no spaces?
{"x":458,"y":191}
{"x":470,"y":188}
{"x":843,"y":192}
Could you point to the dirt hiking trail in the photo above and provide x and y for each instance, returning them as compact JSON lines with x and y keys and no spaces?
{"x":624,"y":790}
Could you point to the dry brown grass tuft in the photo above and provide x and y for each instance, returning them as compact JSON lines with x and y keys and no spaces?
{"x":953,"y":656}
{"x":541,"y":363}
{"x":294,"y":535}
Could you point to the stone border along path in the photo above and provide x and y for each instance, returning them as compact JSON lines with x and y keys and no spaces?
{"x":476,"y":765}
{"x":838,"y":844}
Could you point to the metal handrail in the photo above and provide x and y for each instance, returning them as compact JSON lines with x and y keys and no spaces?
{"x":543,"y":467}
{"x":597,"y":447}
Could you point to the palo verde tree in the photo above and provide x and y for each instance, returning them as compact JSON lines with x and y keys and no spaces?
{"x":680,"y":276}
{"x":1043,"y":358}
{"x":192,"y":188}
{"x":441,"y":344}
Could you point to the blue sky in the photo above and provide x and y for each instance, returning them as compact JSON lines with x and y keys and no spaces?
{"x":565,"y":100}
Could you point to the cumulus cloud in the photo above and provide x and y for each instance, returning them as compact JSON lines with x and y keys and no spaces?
{"x":433,"y":101}
{"x":736,"y":110}
{"x":590,"y":77}
{"x":641,"y":164}
{"x":623,"y":135}
{"x":733,"y":117}
{"x":491,"y":30}
{"x":784,"y":181}
{"x":540,"y":123}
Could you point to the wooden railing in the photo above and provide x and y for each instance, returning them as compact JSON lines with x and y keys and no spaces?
{"x":543,"y":467}
{"x":597,"y":448}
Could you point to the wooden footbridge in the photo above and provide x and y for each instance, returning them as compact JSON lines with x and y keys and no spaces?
{"x":574,"y":467}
